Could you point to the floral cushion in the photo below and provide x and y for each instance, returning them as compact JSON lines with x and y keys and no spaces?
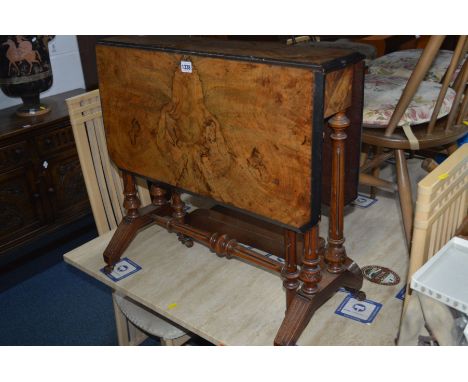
{"x":381,"y":95}
{"x":402,"y":64}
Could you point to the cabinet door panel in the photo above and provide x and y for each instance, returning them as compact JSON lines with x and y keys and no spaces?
{"x":13,"y":155}
{"x":55,"y":141}
{"x":66,"y":186}
{"x":20,"y":210}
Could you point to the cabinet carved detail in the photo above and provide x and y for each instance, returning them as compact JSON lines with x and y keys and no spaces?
{"x":16,"y":208}
{"x":70,"y":178}
{"x":10,"y":217}
{"x":71,"y":183}
{"x":55,"y":140}
{"x":41,"y":185}
{"x":13,"y":155}
{"x":10,"y":191}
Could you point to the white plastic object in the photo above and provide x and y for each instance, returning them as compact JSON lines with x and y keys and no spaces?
{"x":445,"y":276}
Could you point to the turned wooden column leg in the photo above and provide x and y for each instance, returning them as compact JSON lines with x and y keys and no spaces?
{"x":310,"y":274}
{"x":178,"y":205}
{"x":158,"y":195}
{"x":314,"y":291}
{"x":342,"y":270}
{"x":129,"y":226}
{"x":335,"y":255}
{"x":290,"y":272}
{"x":131,"y":201}
{"x":404,"y":192}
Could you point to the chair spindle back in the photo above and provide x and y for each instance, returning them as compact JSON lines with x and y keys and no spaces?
{"x":419,"y":72}
{"x":456,"y":58}
{"x":428,"y":56}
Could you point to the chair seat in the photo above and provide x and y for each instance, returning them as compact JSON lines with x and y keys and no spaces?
{"x":147,"y":320}
{"x":402,"y":64}
{"x":398,"y":140}
{"x":382,"y":93}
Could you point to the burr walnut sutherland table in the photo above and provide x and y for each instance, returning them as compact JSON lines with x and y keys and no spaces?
{"x":242,"y":124}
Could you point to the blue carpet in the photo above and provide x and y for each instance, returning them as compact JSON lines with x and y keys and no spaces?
{"x":60,"y":306}
{"x":44,"y":301}
{"x":41,"y":254}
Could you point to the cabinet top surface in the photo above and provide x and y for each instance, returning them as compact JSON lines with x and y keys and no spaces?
{"x":256,"y":51}
{"x":11,"y":124}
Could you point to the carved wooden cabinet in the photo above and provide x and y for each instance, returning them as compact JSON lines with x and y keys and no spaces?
{"x":41,"y":184}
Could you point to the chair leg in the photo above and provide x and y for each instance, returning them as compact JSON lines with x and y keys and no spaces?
{"x":127,"y":333}
{"x":364,"y":154}
{"x":176,"y":341}
{"x":135,"y":335}
{"x":452,"y":148}
{"x":429,"y":164}
{"x":404,"y":191}
{"x":121,"y":325}
{"x":375,"y":172}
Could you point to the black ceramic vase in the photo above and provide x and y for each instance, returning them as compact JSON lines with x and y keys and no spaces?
{"x":25,"y":71}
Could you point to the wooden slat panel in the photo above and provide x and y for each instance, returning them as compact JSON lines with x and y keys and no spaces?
{"x":143,"y":192}
{"x":96,"y":114}
{"x":106,"y":167}
{"x":104,"y":177}
{"x":96,"y":156}
{"x":441,"y":206}
{"x":90,"y":109}
{"x":89,"y":175}
{"x":118,"y":184}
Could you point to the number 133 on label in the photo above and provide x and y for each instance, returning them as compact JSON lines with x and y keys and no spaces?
{"x":186,"y":66}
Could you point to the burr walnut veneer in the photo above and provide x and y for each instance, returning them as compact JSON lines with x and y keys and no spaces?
{"x":243,"y":124}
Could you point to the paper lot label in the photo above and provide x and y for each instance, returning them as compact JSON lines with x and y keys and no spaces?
{"x":122,"y":269}
{"x":362,"y":311}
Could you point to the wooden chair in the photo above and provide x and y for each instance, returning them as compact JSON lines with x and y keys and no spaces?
{"x":105,"y":190}
{"x":424,"y":115}
{"x":441,"y":208}
{"x":102,"y":178}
